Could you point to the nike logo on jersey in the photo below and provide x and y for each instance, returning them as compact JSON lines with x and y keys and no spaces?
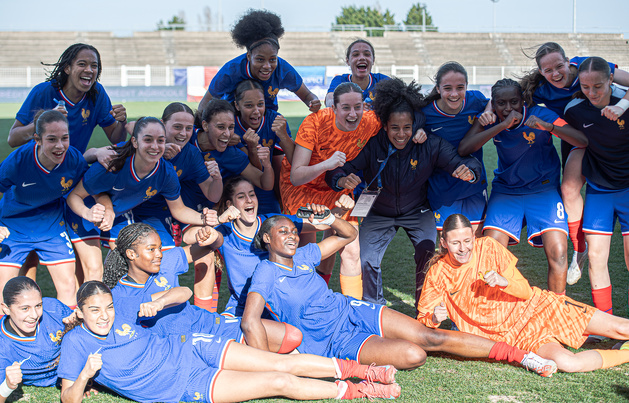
{"x":497,"y":141}
{"x":281,"y":279}
{"x":424,"y":210}
{"x":24,"y":184}
{"x":586,"y":126}
{"x":117,"y":190}
{"x":434,"y":130}
{"x":558,"y":221}
{"x":454,"y":292}
{"x":379,"y":160}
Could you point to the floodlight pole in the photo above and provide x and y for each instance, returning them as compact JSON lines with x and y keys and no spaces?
{"x":574,"y":16}
{"x":494,"y":26}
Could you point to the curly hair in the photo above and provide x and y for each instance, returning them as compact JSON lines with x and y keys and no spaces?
{"x":531,"y":81}
{"x":214,"y":107}
{"x":257,"y":27}
{"x":59,"y":77}
{"x":395,"y":96}
{"x":443,"y":70}
{"x":116,"y":264}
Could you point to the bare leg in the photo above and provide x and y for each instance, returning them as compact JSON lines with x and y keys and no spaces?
{"x":63,"y":277}
{"x":6,"y":274}
{"x":91,"y":259}
{"x":275,"y":332}
{"x":598,"y":255}
{"x":29,"y":268}
{"x":625,"y":241}
{"x":608,"y":325}
{"x":571,"y":185}
{"x":556,"y":249}
{"x":236,"y":386}
{"x":498,"y":236}
{"x":400,"y":353}
{"x":350,"y":258}
{"x":568,"y":361}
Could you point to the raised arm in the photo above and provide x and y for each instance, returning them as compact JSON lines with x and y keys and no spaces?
{"x":309,"y":98}
{"x":345,"y":233}
{"x":251,"y":324}
{"x":186,"y":215}
{"x":72,"y":391}
{"x":20,"y":134}
{"x":559,"y":128}
{"x":262,"y":179}
{"x":116,"y":132}
{"x":164,"y":299}
{"x":302,"y":173}
{"x":476,"y":137}
{"x":286,"y":142}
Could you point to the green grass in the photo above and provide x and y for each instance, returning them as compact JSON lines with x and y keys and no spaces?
{"x":445,"y":378}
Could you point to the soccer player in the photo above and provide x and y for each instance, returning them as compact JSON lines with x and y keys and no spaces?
{"x":135,"y":175}
{"x":475,"y":282}
{"x":34,"y":180}
{"x":255,"y":124}
{"x":30,"y":334}
{"x":521,"y":191}
{"x":335,"y":325}
{"x":259,"y":31}
{"x":606,"y":169}
{"x":141,"y":365}
{"x":554,"y":83}
{"x":450,"y":112}
{"x":240,"y":202}
{"x":399,"y":169}
{"x":359,"y":56}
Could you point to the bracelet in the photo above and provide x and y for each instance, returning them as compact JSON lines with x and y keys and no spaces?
{"x":553,"y":129}
{"x":202,"y":219}
{"x":5,"y":390}
{"x":623,"y":104}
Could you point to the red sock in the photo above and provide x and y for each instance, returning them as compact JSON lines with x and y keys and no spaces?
{"x":209,"y":304}
{"x":602,"y":299}
{"x":292,"y":339}
{"x":575,"y":229}
{"x":502,"y":351}
{"x":326,"y":277}
{"x":561,"y":293}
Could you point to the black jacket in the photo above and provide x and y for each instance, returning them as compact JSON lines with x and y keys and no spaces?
{"x":405,"y":176}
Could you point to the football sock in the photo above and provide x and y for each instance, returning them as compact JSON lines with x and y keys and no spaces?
{"x":352,"y":286}
{"x":291,"y":340}
{"x":326,"y":277}
{"x":602,"y":299}
{"x":502,"y":351}
{"x":209,"y":303}
{"x":611,"y":358}
{"x":575,"y":229}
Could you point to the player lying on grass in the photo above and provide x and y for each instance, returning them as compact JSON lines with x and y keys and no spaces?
{"x":475,"y":283}
{"x":334,"y":325}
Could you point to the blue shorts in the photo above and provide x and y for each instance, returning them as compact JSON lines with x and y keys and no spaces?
{"x":162,"y":224}
{"x":120,"y":222}
{"x":603,"y":208}
{"x":53,"y":251}
{"x":209,"y":353}
{"x":473,"y":207}
{"x":364,"y":321}
{"x":200,"y":384}
{"x":79,"y":228}
{"x":540,"y":212}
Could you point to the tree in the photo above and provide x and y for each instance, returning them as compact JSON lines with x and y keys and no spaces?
{"x":415,"y":15}
{"x":177,"y":23}
{"x":367,"y":16}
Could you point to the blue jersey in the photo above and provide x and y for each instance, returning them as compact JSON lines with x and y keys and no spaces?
{"x":443,"y":189}
{"x":231,"y":162}
{"x":555,"y":98}
{"x":32,"y":205}
{"x":137,"y":363}
{"x":527,"y":158}
{"x":241,"y":259}
{"x":267,"y":201}
{"x":82,"y":116}
{"x":126,"y":189}
{"x":238,"y":69}
{"x":368,"y":93}
{"x":39,"y":354}
{"x":299,"y":296}
{"x":190,"y":169}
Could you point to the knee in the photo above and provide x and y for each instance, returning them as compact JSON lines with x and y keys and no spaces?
{"x":351,"y":251}
{"x":414,"y":357}
{"x":280,"y":382}
{"x":558,"y":255}
{"x":566,"y":363}
{"x":570,"y":189}
{"x":622,"y":328}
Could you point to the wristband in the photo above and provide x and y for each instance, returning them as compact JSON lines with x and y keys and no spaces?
{"x":553,"y":129}
{"x":623,"y":104}
{"x":5,"y":390}
{"x":326,"y":221}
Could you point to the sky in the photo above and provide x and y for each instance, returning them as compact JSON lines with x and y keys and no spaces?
{"x":125,"y":17}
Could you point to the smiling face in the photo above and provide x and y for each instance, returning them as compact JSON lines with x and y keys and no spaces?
{"x":348,"y":111}
{"x":150,"y":144}
{"x":145,"y":257}
{"x":556,"y":70}
{"x":54,"y":143}
{"x":98,"y":313}
{"x":506,"y":100}
{"x":360,"y":59}
{"x":452,"y":87}
{"x":246,"y":201}
{"x":263,"y":61}
{"x":252,"y":108}
{"x":399,"y":129}
{"x":596,"y":87}
{"x":283,"y":238}
{"x":179,"y":128}
{"x":82,"y":72}
{"x":219,"y":129}
{"x":24,"y":313}
{"x":459,"y":244}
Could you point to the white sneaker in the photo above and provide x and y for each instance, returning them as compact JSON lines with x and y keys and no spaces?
{"x":576,"y":265}
{"x":539,"y":365}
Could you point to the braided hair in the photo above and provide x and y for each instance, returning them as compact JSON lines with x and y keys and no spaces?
{"x":59,"y":77}
{"x":116,"y":264}
{"x":505,"y":83}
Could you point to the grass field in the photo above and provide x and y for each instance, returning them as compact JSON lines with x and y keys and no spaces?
{"x":443,"y":378}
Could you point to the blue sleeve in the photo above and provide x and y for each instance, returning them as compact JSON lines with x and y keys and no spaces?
{"x":73,"y":357}
{"x":311,"y":254}
{"x":233,"y":162}
{"x":8,"y":170}
{"x":172,"y":188}
{"x":289,"y":77}
{"x":479,"y":97}
{"x":336,"y":81}
{"x":299,"y":222}
{"x":103,"y":107}
{"x":98,"y":180}
{"x":199,"y":172}
{"x":57,"y":309}
{"x":263,"y":279}
{"x":175,"y":261}
{"x":36,"y":100}
{"x":545,"y":114}
{"x":226,"y":79}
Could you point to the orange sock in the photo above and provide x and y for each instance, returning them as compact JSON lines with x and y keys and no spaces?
{"x":602,"y":299}
{"x":209,"y":304}
{"x":611,"y":358}
{"x":575,"y":229}
{"x":352,"y":286}
{"x":326,"y":277}
{"x":502,"y":351}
